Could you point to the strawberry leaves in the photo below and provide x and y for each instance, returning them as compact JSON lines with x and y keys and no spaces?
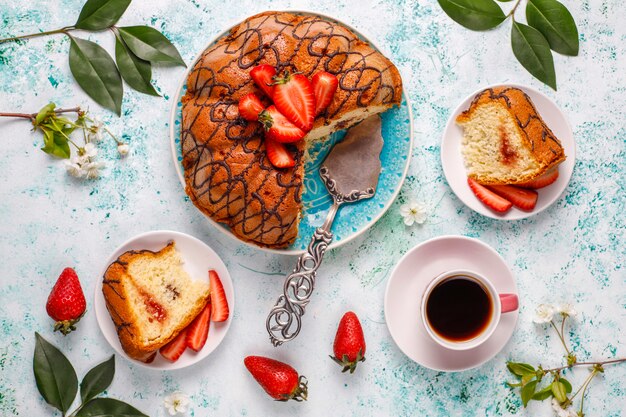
{"x":550,"y":27}
{"x":58,"y":384}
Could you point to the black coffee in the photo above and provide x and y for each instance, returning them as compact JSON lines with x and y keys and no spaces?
{"x":458,"y":309}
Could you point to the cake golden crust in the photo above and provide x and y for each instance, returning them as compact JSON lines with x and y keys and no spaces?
{"x":114,"y":289}
{"x":543,"y":145}
{"x":227,"y":174}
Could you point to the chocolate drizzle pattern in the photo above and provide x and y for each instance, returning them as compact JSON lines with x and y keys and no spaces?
{"x":227,"y":173}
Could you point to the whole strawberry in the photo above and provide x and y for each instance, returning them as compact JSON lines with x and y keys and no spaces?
{"x":66,"y":302}
{"x":278,"y":379}
{"x":349,"y":346}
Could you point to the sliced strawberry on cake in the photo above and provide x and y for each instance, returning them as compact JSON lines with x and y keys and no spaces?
{"x":324,"y":87}
{"x":294,"y":97}
{"x":263,"y":76}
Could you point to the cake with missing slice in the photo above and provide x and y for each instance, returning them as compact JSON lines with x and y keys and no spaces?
{"x":505,"y":140}
{"x":151,"y":298}
{"x":228,"y":173}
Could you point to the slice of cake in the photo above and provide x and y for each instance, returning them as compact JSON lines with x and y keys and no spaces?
{"x":505,"y":140}
{"x":151,"y":298}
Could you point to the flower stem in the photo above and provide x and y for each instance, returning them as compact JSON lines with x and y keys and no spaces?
{"x":63,"y":30}
{"x":560,"y":334}
{"x":602,"y":363}
{"x":512,"y":12}
{"x":33,"y":115}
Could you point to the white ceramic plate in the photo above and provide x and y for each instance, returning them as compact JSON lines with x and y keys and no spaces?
{"x":198,"y":259}
{"x":353,"y":219}
{"x":454,"y":166}
{"x":408,"y":282}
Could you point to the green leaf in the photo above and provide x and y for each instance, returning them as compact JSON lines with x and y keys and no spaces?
{"x":556,"y":23}
{"x":566,"y":383}
{"x":533,"y":51}
{"x":520,"y":369}
{"x":97,"y":379}
{"x":55,"y":143}
{"x":108,"y":407}
{"x":101,"y":14}
{"x":474,"y":14}
{"x":135,"y":71}
{"x":543,"y":394}
{"x":56,"y":379}
{"x":150,"y":44}
{"x":96,"y":73}
{"x":559,"y":391}
{"x":44,"y":112}
{"x":528,"y":391}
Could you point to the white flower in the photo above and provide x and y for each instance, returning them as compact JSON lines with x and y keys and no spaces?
{"x":93,"y":169}
{"x":176,"y":402}
{"x":562,"y":412}
{"x":123,"y":149}
{"x":567,"y":310}
{"x":74,"y":169}
{"x":413,"y":212}
{"x":95,"y":130}
{"x":544,"y":313}
{"x":90,"y":150}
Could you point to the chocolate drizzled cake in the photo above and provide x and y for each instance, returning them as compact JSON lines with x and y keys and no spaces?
{"x":227,"y":173}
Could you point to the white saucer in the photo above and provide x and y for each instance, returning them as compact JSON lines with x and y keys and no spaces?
{"x":198,"y":259}
{"x":454,"y":166}
{"x":408,"y":282}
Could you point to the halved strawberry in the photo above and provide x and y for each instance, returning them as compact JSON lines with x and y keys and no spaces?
{"x":278,"y":127}
{"x":520,"y":197}
{"x":278,"y":155}
{"x":219,"y":304}
{"x":294,"y":97}
{"x":324,"y":87}
{"x":542,"y":181}
{"x":489,"y":198}
{"x":198,"y":330}
{"x":175,"y":347}
{"x":263,"y":76}
{"x":249,"y":107}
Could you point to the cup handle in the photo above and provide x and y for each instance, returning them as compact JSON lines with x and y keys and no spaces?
{"x":509,"y":302}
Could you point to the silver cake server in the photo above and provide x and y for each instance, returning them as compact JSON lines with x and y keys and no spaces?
{"x":350,"y":173}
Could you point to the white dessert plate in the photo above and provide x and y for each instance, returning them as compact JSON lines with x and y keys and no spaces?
{"x":198,"y":260}
{"x":354,"y":219}
{"x":408,"y":282}
{"x":454,"y":166}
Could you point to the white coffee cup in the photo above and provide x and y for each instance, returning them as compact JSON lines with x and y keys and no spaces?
{"x":501,"y":304}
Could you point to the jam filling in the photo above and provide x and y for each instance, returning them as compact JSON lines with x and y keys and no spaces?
{"x":508,"y":153}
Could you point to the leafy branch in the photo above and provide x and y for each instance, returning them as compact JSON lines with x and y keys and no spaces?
{"x":58,"y":384}
{"x":136,"y":49}
{"x":550,"y":27}
{"x":558,"y":388}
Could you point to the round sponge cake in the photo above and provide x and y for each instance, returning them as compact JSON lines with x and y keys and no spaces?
{"x":228,"y":175}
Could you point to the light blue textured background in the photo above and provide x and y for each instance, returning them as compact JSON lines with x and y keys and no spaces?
{"x":574,"y":251}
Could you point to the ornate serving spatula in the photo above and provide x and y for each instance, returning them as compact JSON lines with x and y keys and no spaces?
{"x":350,"y":173}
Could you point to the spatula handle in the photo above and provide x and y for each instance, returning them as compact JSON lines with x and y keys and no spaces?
{"x":285,"y":319}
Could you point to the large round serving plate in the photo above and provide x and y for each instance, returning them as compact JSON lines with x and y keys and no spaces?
{"x":353,"y":219}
